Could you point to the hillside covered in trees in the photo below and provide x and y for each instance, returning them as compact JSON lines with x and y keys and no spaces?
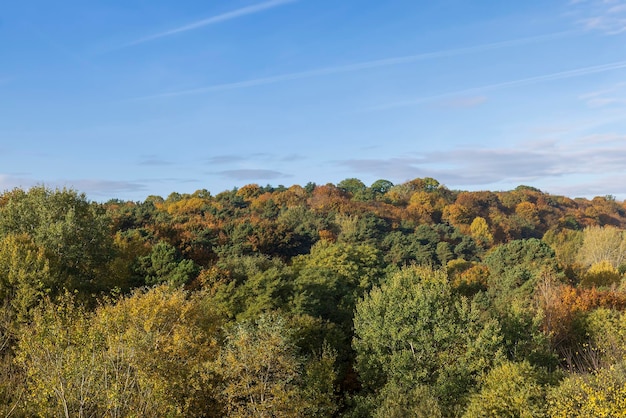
{"x":408,"y":300}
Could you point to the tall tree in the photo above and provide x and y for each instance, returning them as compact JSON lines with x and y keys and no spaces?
{"x":74,"y":233}
{"x":414,"y":330}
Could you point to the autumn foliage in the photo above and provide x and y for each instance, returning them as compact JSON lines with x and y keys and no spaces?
{"x":316,"y":300}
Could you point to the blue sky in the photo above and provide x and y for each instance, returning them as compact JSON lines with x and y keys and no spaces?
{"x":125,"y":99}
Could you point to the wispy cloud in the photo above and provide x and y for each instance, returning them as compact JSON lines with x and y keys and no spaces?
{"x":93,"y":187}
{"x":252,"y":174}
{"x":244,"y":11}
{"x":597,"y":186}
{"x":247,"y":160}
{"x":11,"y":181}
{"x":155,"y":161}
{"x":517,"y":164}
{"x":578,"y":72}
{"x":292,"y":157}
{"x":600,"y":139}
{"x":607,"y":16}
{"x":359,"y":66}
{"x":234,"y":158}
{"x":226,"y":159}
{"x":99,"y":187}
{"x":464,"y":102}
{"x":613,"y":95}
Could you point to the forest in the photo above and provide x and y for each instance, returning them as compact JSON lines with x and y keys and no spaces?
{"x":346,"y":300}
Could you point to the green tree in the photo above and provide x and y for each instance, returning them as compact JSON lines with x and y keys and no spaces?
{"x":331,"y":279}
{"x":353,"y":186}
{"x":566,"y":244}
{"x":396,"y":401}
{"x":165,"y":265}
{"x":247,"y":286}
{"x":380,"y":187}
{"x":515,"y":269}
{"x":414,"y":331}
{"x":74,"y":233}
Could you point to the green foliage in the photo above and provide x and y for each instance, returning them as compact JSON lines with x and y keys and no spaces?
{"x":164,"y":265}
{"x":413,"y":330}
{"x":516,"y":267}
{"x":73,"y":233}
{"x":515,"y":270}
{"x":365,"y":229}
{"x":247,"y":286}
{"x":12,"y":378}
{"x":523,"y":338}
{"x":353,"y":186}
{"x":565,"y":243}
{"x":331,"y":279}
{"x":319,"y":390}
{"x":398,"y":402}
{"x":308,"y":302}
{"x":380,"y":187}
{"x":433,"y":245}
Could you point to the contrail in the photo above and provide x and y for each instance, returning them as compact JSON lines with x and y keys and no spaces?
{"x":578,"y":72}
{"x":386,"y":62}
{"x":213,"y":20}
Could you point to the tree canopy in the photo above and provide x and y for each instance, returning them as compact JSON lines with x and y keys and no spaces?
{"x":387,"y":300}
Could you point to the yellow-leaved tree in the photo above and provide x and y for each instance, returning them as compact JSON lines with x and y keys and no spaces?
{"x":148,"y":354}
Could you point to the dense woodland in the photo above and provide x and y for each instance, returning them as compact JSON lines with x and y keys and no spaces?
{"x":408,"y":300}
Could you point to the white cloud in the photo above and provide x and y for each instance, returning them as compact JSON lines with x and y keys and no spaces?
{"x":608,"y":17}
{"x":542,"y":163}
{"x":92,"y":187}
{"x":614,"y":95}
{"x":252,"y":174}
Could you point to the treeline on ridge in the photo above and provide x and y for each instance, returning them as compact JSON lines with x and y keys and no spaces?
{"x":323,"y":300}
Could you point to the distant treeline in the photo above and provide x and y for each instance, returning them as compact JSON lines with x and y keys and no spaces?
{"x":408,"y":300}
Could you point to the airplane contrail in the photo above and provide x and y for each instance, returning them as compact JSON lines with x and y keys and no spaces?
{"x":385,"y":62}
{"x":213,"y":20}
{"x":578,"y":72}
